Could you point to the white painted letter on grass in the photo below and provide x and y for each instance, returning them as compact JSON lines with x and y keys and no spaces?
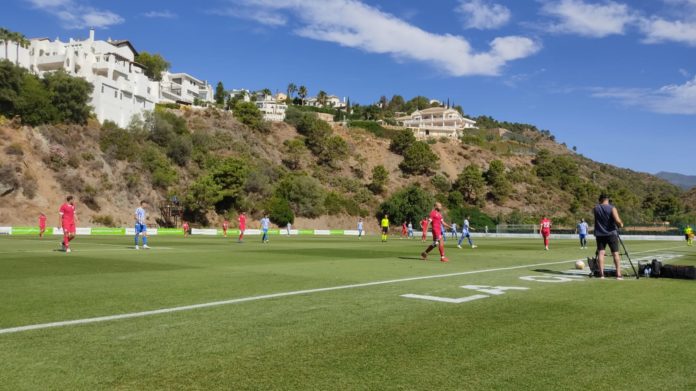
{"x":445,"y":299}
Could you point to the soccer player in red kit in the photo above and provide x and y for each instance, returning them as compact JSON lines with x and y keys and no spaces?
{"x":42,"y":224}
{"x":225,"y":226}
{"x":545,"y":231}
{"x":185,"y":226}
{"x":67,"y":222}
{"x":404,"y":230}
{"x":424,"y":229}
{"x":436,"y":223}
{"x":242,"y":226}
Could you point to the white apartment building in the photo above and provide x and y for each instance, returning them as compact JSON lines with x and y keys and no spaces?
{"x":331,"y":101}
{"x":183,"y":88}
{"x":437,"y":122}
{"x":271,"y":109}
{"x":121,"y":88}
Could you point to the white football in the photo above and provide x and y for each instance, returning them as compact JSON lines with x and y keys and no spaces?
{"x":579,"y":265}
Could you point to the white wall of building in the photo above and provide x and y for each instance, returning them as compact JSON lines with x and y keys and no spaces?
{"x":121,"y":88}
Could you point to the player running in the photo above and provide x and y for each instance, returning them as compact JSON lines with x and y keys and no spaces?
{"x":225,"y":227}
{"x":545,"y":231}
{"x":265,"y":224}
{"x":68,"y":218}
{"x":242,"y":226}
{"x":689,"y":235}
{"x":424,"y":229}
{"x":42,"y":224}
{"x":385,"y":227}
{"x":437,"y":227}
{"x":466,"y":228}
{"x":360,"y":227}
{"x":582,"y":231}
{"x":187,"y":228}
{"x":140,"y":226}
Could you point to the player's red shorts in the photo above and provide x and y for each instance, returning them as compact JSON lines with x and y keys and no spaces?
{"x":42,"y":227}
{"x":69,"y":228}
{"x":437,"y":236}
{"x":545,"y":233}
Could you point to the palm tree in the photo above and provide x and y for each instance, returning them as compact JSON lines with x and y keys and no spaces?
{"x":266,"y":92}
{"x":22,"y":41}
{"x":5,"y":37}
{"x":292,"y":88}
{"x":302,"y":93}
{"x":321,"y":98}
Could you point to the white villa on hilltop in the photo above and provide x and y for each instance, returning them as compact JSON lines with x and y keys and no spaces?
{"x":437,"y":122}
{"x":121,"y":88}
{"x":272,"y":109}
{"x":183,"y":88}
{"x":331,"y":101}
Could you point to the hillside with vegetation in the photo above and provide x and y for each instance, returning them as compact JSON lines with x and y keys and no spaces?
{"x":216,"y":162}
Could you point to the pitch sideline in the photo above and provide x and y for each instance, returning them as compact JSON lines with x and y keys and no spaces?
{"x":277,"y":295}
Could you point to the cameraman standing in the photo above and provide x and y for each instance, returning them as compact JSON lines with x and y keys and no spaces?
{"x":606,"y":230}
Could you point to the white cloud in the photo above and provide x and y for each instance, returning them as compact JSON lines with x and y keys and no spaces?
{"x":659,"y":30}
{"x":670,"y":99}
{"x":165,"y":14}
{"x":481,"y":14}
{"x":351,"y":23}
{"x":588,"y":19}
{"x":75,"y":15}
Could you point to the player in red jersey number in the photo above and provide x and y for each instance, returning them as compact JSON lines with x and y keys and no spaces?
{"x":545,"y":231}
{"x":436,"y":223}
{"x":67,"y":219}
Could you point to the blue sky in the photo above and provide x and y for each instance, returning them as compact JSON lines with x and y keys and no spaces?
{"x":617,"y":79}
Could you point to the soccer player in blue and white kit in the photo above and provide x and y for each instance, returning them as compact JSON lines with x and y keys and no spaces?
{"x":466,"y":228}
{"x":454,"y":230}
{"x":582,"y":231}
{"x":360,"y":227}
{"x":265,"y":224}
{"x":140,"y":226}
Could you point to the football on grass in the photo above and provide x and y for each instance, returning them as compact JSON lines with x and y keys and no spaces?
{"x":579,"y":265}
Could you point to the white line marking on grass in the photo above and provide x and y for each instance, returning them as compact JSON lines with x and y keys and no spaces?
{"x":81,"y":250}
{"x":275,"y":296}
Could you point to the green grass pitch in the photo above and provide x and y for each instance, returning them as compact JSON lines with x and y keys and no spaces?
{"x":561,"y":333}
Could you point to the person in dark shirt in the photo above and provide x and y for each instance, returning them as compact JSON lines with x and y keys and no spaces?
{"x":606,"y":230}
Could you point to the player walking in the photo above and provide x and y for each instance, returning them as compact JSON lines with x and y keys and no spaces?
{"x":689,"y":235}
{"x":454,"y":230}
{"x":385,"y":227}
{"x":68,"y":218}
{"x":185,"y":226}
{"x":437,"y":227}
{"x":545,"y":231}
{"x":140,"y":225}
{"x":225,"y":227}
{"x":404,"y":230}
{"x":466,"y":228}
{"x":424,"y":229}
{"x":360,"y":227}
{"x":582,"y":231}
{"x":410,"y":230}
{"x":242,"y":226}
{"x":42,"y":224}
{"x":265,"y":224}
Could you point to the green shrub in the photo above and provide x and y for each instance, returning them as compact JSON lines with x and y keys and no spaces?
{"x":304,"y":194}
{"x":104,"y":220}
{"x":14,"y":149}
{"x":419,"y":159}
{"x":280,"y":212}
{"x":402,"y":141}
{"x":248,"y":114}
{"x":409,"y":204}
